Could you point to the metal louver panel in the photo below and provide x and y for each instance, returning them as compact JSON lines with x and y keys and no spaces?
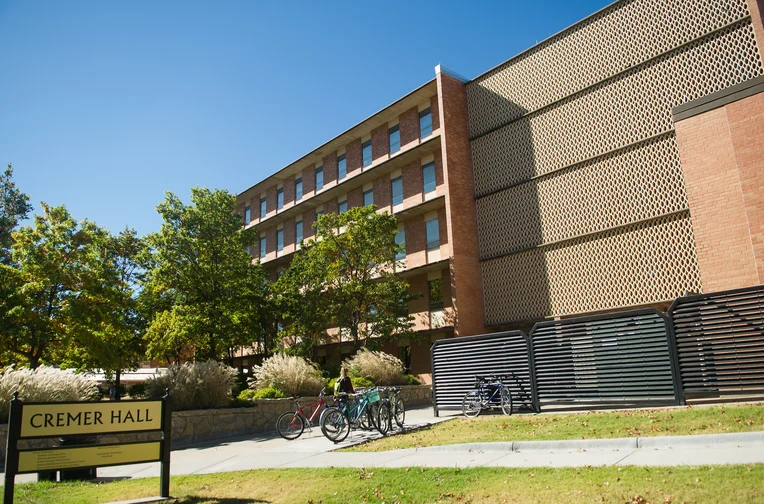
{"x":614,"y":359}
{"x":456,"y":362}
{"x":720,"y":342}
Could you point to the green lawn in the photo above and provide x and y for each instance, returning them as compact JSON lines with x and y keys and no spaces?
{"x":590,"y":425}
{"x":635,"y":485}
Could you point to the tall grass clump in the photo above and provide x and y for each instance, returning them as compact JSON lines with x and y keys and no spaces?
{"x":379,"y":367}
{"x":288,"y":374}
{"x":197,"y":385}
{"x":44,"y":384}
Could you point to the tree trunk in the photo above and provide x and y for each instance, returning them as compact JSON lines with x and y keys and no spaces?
{"x":34,"y":361}
{"x":354,"y":333}
{"x":117,"y":377}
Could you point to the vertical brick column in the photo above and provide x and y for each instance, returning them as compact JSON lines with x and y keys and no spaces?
{"x":412,"y":184}
{"x":382,"y":193}
{"x":355,"y":197}
{"x":722,"y":154}
{"x":409,"y":127}
{"x":288,"y":191}
{"x":270,"y":199}
{"x":308,"y":180}
{"x":435,"y":109}
{"x":380,"y":142}
{"x":330,"y":168}
{"x":353,"y":157}
{"x":467,"y":286}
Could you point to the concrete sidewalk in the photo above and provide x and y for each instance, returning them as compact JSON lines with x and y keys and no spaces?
{"x":313,"y":450}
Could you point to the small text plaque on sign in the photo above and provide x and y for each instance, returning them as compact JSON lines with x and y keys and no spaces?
{"x":39,"y":420}
{"x":88,"y":456}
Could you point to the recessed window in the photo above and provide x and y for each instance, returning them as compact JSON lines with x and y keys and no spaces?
{"x":396,"y":187}
{"x":342,"y":167}
{"x":319,"y":213}
{"x":425,"y":123}
{"x":298,"y":188}
{"x":248,"y":249}
{"x":263,"y":208}
{"x":366,"y":152}
{"x":395,"y":138}
{"x":247,"y":214}
{"x":400,"y":240}
{"x":368,"y":197}
{"x":435,"y":293}
{"x":280,"y":198}
{"x":428,"y":177}
{"x":262,"y":247}
{"x":298,"y":231}
{"x":343,"y":206}
{"x":433,"y":234}
{"x":319,"y":178}
{"x":280,"y":239}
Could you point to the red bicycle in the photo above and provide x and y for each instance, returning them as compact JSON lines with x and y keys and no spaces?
{"x":292,"y":424}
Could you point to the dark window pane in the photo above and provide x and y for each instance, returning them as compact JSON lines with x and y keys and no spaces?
{"x":395,"y":139}
{"x":342,"y":167}
{"x":400,"y":239}
{"x":298,"y":231}
{"x":435,"y":291}
{"x":319,"y":178}
{"x":247,"y":214}
{"x":425,"y":123}
{"x":368,"y":197}
{"x":262,"y":247}
{"x":298,"y":188}
{"x":280,"y":240}
{"x":263,"y":208}
{"x":433,"y":234}
{"x":343,"y":206}
{"x":428,"y":177}
{"x":397,"y":190}
{"x":366,"y":150}
{"x":280,"y":198}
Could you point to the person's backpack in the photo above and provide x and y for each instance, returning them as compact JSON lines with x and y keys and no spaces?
{"x":337,"y":386}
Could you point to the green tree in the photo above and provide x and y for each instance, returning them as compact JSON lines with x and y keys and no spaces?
{"x":203,"y":292}
{"x":14,"y":207}
{"x":346,"y":277}
{"x":41,"y":300}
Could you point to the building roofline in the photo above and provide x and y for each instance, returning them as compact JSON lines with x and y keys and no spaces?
{"x":549,"y":39}
{"x":304,"y":156}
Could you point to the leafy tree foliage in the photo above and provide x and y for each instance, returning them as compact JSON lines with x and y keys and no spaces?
{"x":14,"y":206}
{"x":203,"y":293}
{"x":345,"y":278}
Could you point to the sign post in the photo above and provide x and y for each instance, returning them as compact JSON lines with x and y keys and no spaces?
{"x":40,"y":420}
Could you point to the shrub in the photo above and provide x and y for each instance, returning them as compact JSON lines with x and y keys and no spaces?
{"x":268,"y":393}
{"x":410,"y":379}
{"x":44,"y":384}
{"x":379,"y":367}
{"x":198,"y":385}
{"x":138,"y":390}
{"x":288,"y":374}
{"x":358,"y":382}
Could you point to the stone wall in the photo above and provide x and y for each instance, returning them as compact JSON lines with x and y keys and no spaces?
{"x":190,"y":427}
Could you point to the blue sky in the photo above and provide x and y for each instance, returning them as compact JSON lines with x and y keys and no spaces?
{"x":104,"y":106}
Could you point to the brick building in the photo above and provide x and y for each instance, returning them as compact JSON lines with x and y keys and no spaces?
{"x":617,"y":164}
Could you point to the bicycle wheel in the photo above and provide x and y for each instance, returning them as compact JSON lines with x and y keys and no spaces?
{"x":335,"y":425}
{"x":290,"y":425}
{"x":400,"y":412}
{"x":369,"y":417}
{"x":506,"y":401}
{"x":472,"y":404}
{"x":384,"y":419}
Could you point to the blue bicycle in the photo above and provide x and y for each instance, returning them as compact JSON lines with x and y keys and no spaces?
{"x":489,"y":393}
{"x":366,"y":412}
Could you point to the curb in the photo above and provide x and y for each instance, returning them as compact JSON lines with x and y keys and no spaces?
{"x":699,"y":441}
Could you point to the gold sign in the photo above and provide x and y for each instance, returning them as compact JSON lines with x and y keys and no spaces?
{"x":88,"y":456}
{"x":90,"y":418}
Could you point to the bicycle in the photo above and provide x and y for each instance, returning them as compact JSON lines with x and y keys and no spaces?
{"x":489,"y":392}
{"x":291,"y":424}
{"x":338,"y":421}
{"x":397,"y":409}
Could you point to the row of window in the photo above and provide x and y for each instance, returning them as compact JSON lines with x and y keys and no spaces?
{"x":432,"y":233}
{"x":394,"y":134}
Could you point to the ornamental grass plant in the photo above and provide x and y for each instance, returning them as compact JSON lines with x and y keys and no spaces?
{"x":378,"y":367}
{"x":288,"y":374}
{"x":44,"y":384}
{"x":197,"y":385}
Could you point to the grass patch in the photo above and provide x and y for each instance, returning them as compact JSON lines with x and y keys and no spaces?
{"x":590,"y":425}
{"x":636,"y":485}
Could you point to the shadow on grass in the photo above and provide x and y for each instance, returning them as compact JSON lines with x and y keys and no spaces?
{"x":193,"y":499}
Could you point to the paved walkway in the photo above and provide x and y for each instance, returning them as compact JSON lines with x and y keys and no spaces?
{"x":313,"y":450}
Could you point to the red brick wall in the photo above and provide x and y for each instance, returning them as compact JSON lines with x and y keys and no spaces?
{"x":270,"y":241}
{"x":443,"y":228}
{"x":409,"y":126}
{"x":289,"y":232}
{"x":435,"y":112}
{"x":330,"y":168}
{"x":416,"y":242}
{"x":721,"y":152}
{"x":308,"y":218}
{"x":270,"y":196}
{"x":412,"y":183}
{"x":438,"y":169}
{"x":308,"y":180}
{"x":355,"y":197}
{"x":330,"y":206}
{"x":467,"y":288}
{"x":380,"y":142}
{"x":353,"y":156}
{"x":382,"y":193}
{"x":288,"y":190}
